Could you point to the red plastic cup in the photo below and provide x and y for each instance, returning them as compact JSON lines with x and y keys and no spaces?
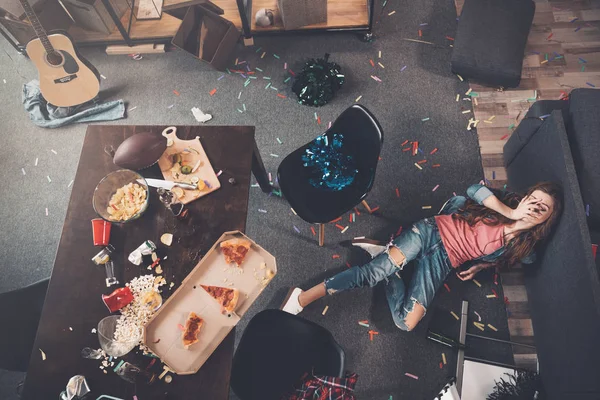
{"x":101,"y":232}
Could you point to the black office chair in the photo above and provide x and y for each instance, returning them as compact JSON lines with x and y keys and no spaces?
{"x":363,"y":138}
{"x":276,"y":350}
{"x":21,"y":310}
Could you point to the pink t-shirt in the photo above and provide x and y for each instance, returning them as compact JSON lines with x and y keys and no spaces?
{"x":464,"y":242}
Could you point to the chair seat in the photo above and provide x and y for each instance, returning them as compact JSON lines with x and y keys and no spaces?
{"x":362,"y":139}
{"x":276,"y":350}
{"x":490,"y":41}
{"x":21,"y":310}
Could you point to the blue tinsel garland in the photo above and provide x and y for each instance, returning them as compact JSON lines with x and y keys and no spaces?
{"x":334,"y":170}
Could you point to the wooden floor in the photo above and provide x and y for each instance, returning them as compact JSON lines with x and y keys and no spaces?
{"x":567,"y":34}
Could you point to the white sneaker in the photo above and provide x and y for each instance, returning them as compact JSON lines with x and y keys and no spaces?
{"x":291,"y":304}
{"x":372,"y":247}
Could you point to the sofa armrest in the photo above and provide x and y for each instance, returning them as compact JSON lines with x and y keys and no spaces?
{"x":563,"y":286}
{"x":530,"y":124}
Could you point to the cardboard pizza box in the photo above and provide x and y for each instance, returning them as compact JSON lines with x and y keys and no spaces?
{"x":163,"y":334}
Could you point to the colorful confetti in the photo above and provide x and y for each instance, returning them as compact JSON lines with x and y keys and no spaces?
{"x":371,"y":333}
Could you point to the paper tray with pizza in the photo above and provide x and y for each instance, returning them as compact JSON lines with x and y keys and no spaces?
{"x":209,"y":303}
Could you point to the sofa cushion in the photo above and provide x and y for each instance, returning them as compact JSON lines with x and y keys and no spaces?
{"x":490,"y":40}
{"x":583,"y":129}
{"x":595,"y":236}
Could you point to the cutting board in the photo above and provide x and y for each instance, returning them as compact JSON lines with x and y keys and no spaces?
{"x":192,"y":152}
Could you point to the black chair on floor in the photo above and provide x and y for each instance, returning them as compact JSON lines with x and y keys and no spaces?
{"x":21,"y":310}
{"x":363,"y":138}
{"x":276,"y":350}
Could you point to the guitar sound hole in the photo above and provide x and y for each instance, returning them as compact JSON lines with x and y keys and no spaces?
{"x":54,"y":58}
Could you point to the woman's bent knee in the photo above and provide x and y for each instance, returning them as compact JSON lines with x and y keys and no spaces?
{"x":414,"y":316}
{"x":397,"y":256}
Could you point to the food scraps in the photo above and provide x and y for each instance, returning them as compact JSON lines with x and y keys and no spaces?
{"x":126,"y":202}
{"x":235,"y":250}
{"x":226,"y":297}
{"x":192,"y":328}
{"x":166,"y":239}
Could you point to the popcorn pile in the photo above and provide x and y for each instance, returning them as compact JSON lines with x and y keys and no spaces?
{"x":137,"y":313}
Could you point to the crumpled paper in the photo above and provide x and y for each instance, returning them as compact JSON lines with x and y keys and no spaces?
{"x":77,"y":387}
{"x":200,"y":116}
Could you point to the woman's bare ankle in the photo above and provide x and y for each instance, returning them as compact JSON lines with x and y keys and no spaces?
{"x":300,"y":299}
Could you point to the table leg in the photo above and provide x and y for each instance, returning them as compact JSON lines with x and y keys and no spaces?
{"x":321,"y":234}
{"x":462,"y":337}
{"x":259,"y":171}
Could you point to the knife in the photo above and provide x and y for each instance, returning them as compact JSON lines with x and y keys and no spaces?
{"x":159,"y":183}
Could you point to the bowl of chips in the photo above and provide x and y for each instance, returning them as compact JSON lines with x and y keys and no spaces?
{"x":121,"y":196}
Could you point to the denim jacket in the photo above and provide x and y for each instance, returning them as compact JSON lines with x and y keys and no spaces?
{"x":479,"y":193}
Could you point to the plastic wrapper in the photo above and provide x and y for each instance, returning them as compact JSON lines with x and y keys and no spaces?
{"x":118,"y":299}
{"x":332,"y":169}
{"x":145,"y":249}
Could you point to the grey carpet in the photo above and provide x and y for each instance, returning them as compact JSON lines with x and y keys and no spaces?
{"x":425,"y":89}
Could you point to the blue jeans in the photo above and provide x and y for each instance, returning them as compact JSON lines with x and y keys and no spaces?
{"x":423,"y":244}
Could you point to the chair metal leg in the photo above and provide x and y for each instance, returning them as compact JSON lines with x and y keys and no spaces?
{"x":321,"y":234}
{"x":364,"y":203}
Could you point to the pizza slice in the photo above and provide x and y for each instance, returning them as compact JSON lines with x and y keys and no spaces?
{"x":192,"y":328}
{"x":227,"y":298}
{"x":235,"y":250}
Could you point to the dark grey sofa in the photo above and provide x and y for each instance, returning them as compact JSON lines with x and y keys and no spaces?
{"x":563,"y":286}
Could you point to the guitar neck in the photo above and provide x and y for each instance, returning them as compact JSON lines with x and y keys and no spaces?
{"x":37,"y":27}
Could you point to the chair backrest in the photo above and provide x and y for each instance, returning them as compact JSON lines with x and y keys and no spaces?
{"x":363,"y":138}
{"x":21,"y":310}
{"x":276,"y":350}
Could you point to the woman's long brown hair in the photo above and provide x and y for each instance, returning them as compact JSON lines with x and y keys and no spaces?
{"x":522,"y":244}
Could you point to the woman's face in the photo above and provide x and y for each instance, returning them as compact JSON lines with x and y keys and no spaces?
{"x":542,"y":209}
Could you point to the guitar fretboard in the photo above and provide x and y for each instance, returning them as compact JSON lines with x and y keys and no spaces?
{"x":37,"y":27}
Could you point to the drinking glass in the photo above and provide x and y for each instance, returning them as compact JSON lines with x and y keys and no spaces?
{"x":106,"y":336}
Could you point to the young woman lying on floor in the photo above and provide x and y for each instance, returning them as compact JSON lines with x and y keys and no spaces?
{"x":484,"y":229}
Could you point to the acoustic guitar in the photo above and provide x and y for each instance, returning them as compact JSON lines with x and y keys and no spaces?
{"x":66,"y":78}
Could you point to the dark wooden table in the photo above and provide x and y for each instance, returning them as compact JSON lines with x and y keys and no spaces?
{"x":74,"y":294}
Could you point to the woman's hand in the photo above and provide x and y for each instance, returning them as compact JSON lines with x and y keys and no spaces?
{"x":471,"y":272}
{"x":526,"y":208}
